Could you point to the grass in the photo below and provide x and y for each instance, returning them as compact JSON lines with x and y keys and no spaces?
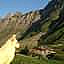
{"x":55,"y":62}
{"x":32,"y":60}
{"x":28,"y":60}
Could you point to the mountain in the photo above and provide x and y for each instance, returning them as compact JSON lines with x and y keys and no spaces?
{"x":49,"y":21}
{"x":17,"y":22}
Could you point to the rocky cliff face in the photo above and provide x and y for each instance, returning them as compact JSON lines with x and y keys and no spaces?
{"x":49,"y":20}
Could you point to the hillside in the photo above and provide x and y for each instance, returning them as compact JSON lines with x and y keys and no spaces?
{"x":48,"y":20}
{"x":30,"y":27}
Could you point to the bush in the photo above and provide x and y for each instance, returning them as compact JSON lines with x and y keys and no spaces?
{"x":24,"y":51}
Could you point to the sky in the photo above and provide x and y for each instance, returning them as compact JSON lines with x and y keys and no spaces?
{"x":23,"y":6}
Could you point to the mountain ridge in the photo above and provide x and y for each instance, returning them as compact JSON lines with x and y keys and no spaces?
{"x":49,"y":20}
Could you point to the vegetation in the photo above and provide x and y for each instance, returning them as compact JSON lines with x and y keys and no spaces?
{"x":28,"y":60}
{"x":29,"y":28}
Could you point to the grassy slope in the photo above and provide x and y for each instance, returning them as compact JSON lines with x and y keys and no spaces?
{"x":30,"y":60}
